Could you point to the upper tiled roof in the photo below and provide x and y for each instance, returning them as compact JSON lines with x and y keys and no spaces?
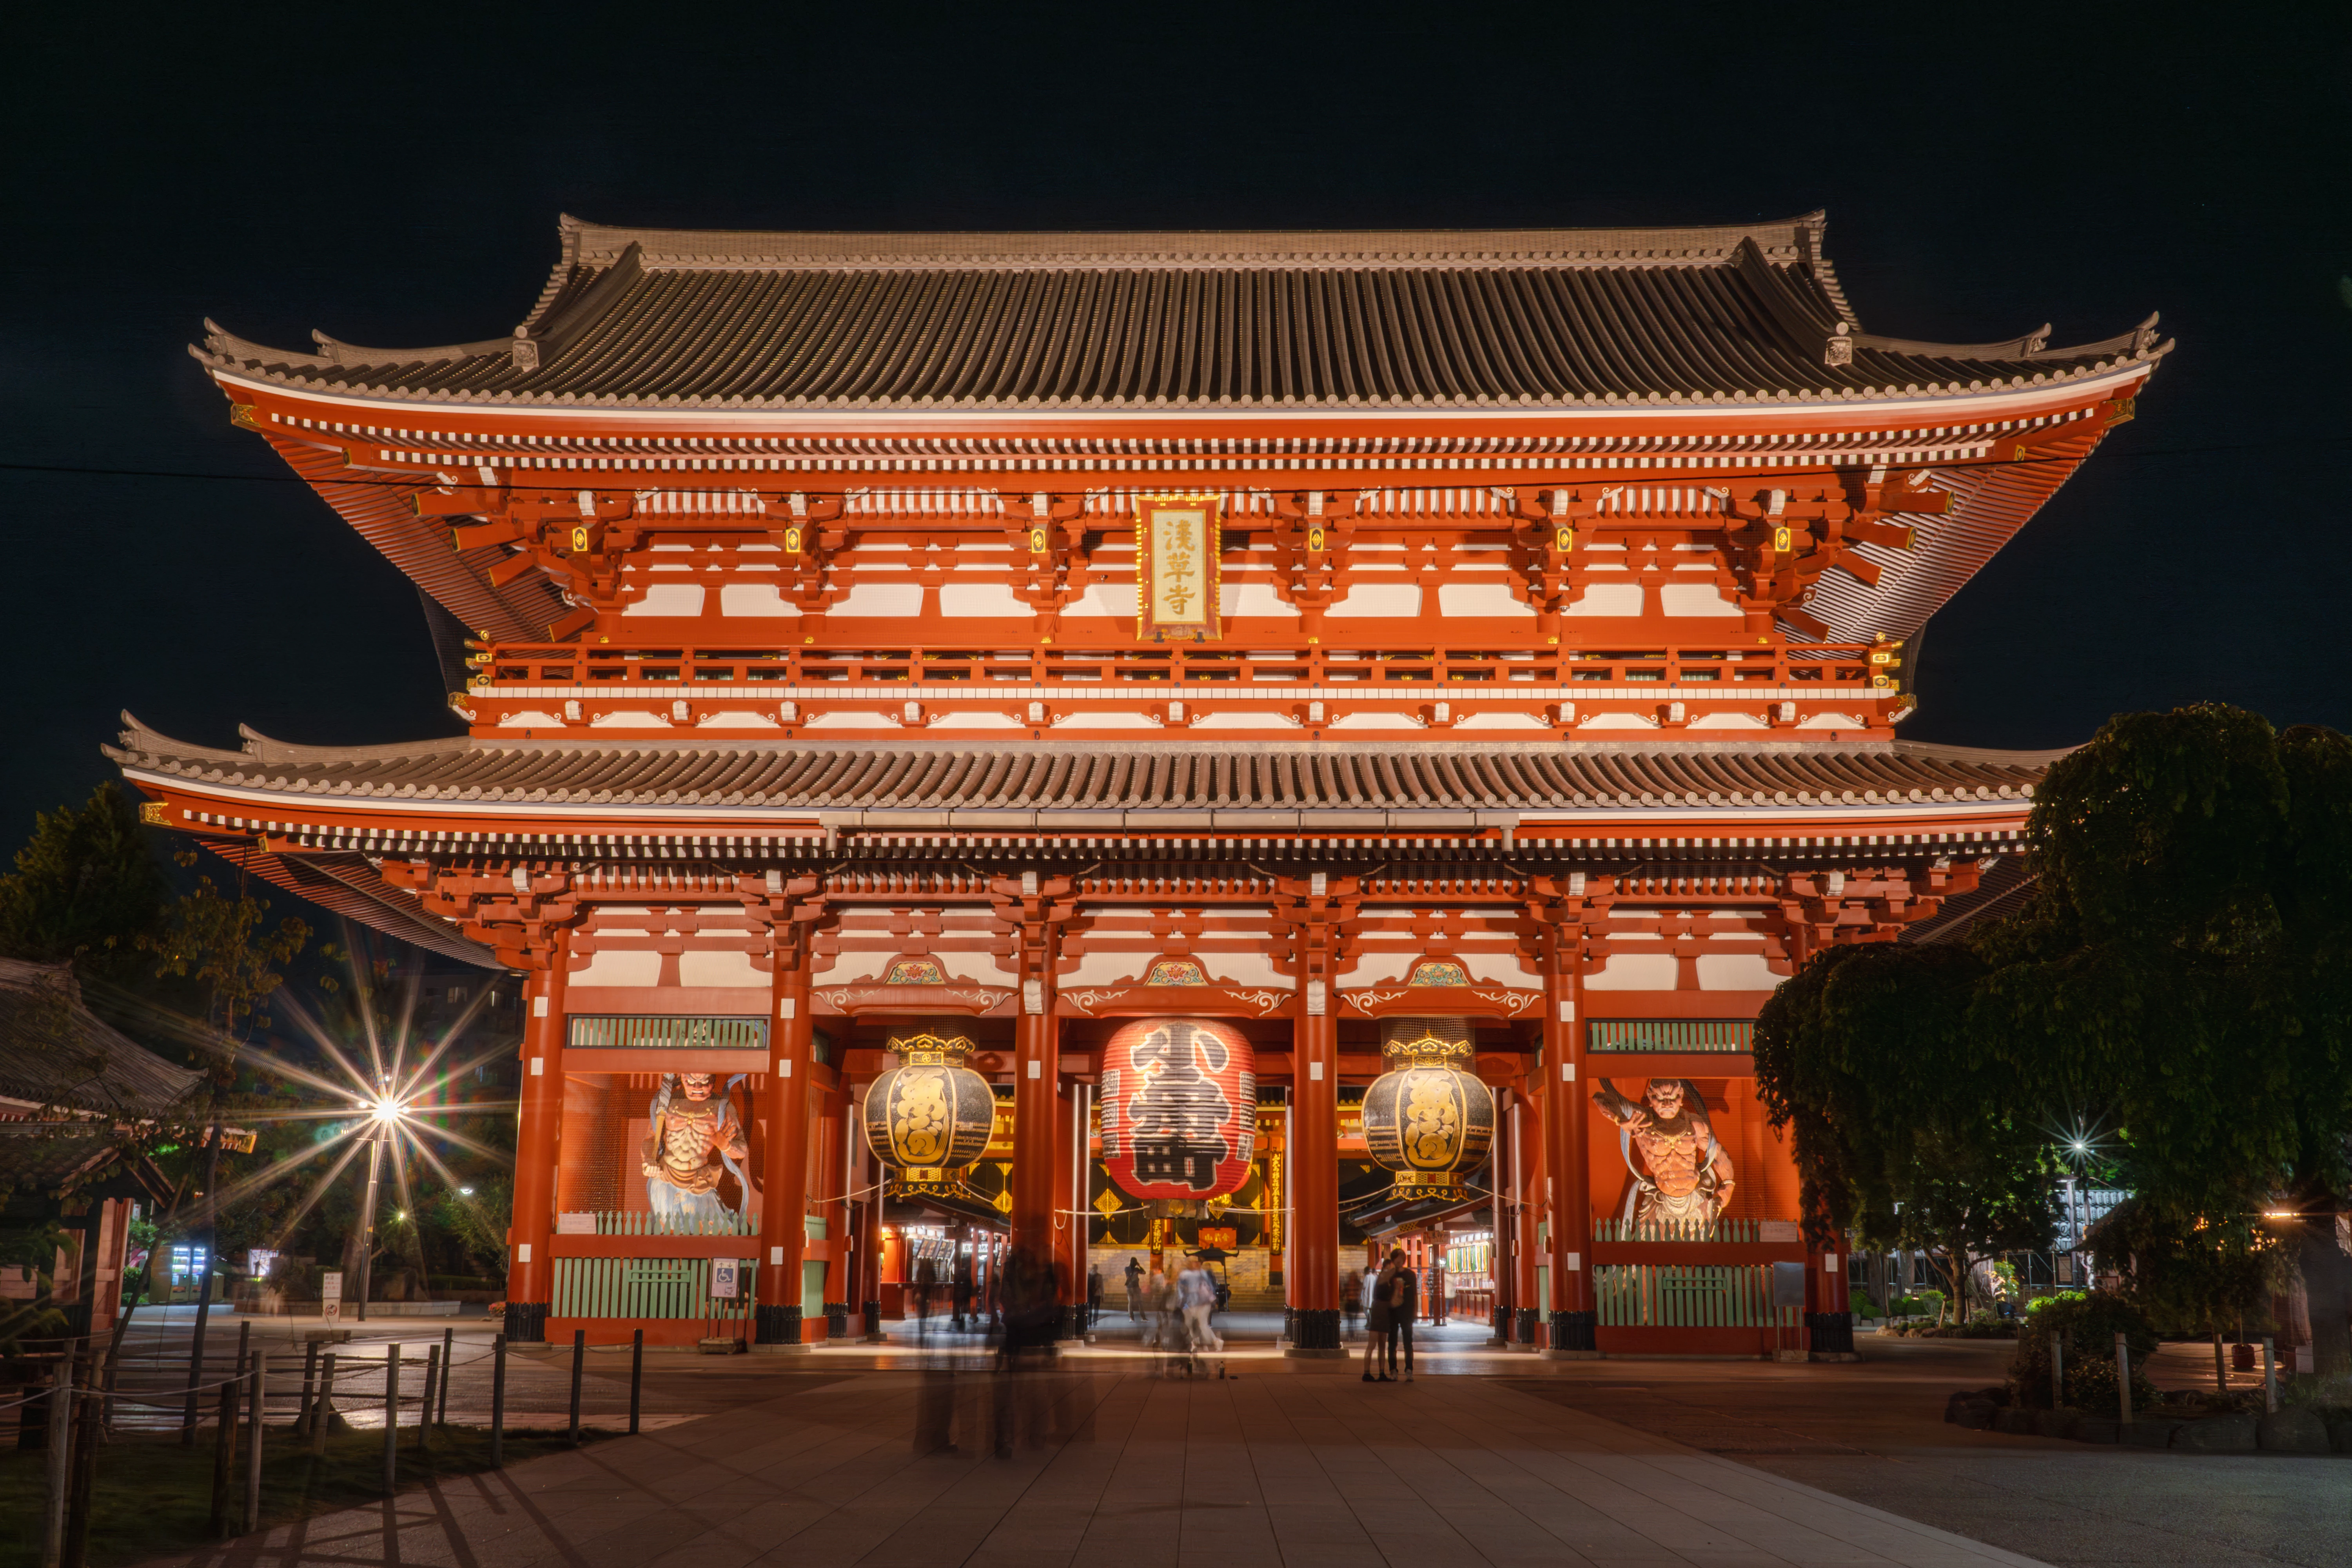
{"x":667,"y":318}
{"x":54,"y":1051}
{"x":1400,"y":777}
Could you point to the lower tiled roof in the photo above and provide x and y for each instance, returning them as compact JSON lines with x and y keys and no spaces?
{"x":1394,"y":776}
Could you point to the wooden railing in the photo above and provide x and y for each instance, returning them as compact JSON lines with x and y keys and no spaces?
{"x":1724,"y":1230}
{"x":628,"y":1222}
{"x":1688,"y":1296}
{"x":645,"y":1287}
{"x":862,"y":665}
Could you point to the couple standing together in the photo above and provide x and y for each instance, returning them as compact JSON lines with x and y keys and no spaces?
{"x":1394,"y":1304}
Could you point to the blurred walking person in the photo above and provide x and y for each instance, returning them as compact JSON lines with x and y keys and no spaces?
{"x":1196,"y":1296}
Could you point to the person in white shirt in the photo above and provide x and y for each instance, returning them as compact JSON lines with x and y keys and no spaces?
{"x":1196,"y":1294}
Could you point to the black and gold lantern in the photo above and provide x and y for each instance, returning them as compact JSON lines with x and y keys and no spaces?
{"x":928,"y":1118}
{"x":1428,"y":1118}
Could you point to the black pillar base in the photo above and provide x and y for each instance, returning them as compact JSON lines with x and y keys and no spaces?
{"x":1289,"y":1326}
{"x":837,"y":1320}
{"x":1526,"y":1334}
{"x":1831,"y":1333}
{"x":1575,"y":1330}
{"x":526,"y":1322}
{"x":1074,"y":1322}
{"x":872,"y":1312}
{"x":1314,"y":1327}
{"x":776,"y":1326}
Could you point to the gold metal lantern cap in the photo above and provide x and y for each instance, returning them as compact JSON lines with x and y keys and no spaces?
{"x":1428,"y":1118}
{"x":930,"y":1117}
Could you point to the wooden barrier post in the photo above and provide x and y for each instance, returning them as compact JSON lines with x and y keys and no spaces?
{"x":260,"y":1406}
{"x":391,"y":1419}
{"x":579,"y":1362}
{"x":637,"y":1377}
{"x":2122,"y":1380}
{"x":2057,"y":1372}
{"x":89,"y":1429}
{"x":60,"y":1455}
{"x":497,"y":1401}
{"x":448,"y":1360}
{"x":2270,"y":1377}
{"x":322,"y":1414}
{"x":309,"y":1379}
{"x":425,"y":1407}
{"x":224,"y":1456}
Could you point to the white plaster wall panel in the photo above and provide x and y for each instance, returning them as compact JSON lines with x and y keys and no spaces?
{"x":717,"y":969}
{"x":1492,"y":600}
{"x":1374,"y":721}
{"x":610,"y":968}
{"x":668,"y":599}
{"x":979,"y":599}
{"x":1378,"y":599}
{"x":636,"y":720}
{"x":1695,"y":599}
{"x":754,"y":599}
{"x":852,"y":720}
{"x":1728,"y":721}
{"x":1248,"y":598}
{"x":1244,"y":722}
{"x":737,"y":719}
{"x":1115,"y":600}
{"x":531,"y":719}
{"x":852,"y":965}
{"x":1833,"y":721}
{"x":1500,"y":721}
{"x":1616,"y":722}
{"x":880,"y":599}
{"x":954,"y":721}
{"x":1608,"y":599}
{"x":1736,"y":971}
{"x":1634,"y":972}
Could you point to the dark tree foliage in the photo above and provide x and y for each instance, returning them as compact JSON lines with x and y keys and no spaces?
{"x":1905,"y":1132}
{"x":2182,"y":973}
{"x":2182,"y":977}
{"x":86,"y":887}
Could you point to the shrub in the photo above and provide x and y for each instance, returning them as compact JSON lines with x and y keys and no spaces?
{"x":2089,"y":1323}
{"x":1919,"y":1304}
{"x":2090,"y":1385}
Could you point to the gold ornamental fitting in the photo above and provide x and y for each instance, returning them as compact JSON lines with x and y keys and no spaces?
{"x":926,"y":1049}
{"x":1426,"y":1042}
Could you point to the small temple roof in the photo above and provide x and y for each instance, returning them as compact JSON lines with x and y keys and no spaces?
{"x":1048,"y":777}
{"x":670,"y":318}
{"x":55,"y":1052}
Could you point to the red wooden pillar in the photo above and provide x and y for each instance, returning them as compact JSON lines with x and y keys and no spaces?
{"x":783,"y":1164}
{"x":1312,"y":1284}
{"x":868,"y":1210}
{"x":1566,"y":1146}
{"x":1037,"y":1124}
{"x":1069,"y":1232}
{"x":827,"y":1202}
{"x":530,"y":1280}
{"x":1527,"y":1204}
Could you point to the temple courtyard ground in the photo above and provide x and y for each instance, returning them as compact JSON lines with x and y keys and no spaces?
{"x":830,"y":1456}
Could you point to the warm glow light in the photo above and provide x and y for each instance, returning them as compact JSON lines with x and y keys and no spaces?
{"x":388,"y":1110}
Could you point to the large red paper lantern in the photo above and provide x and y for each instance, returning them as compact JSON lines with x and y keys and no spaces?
{"x":1178,"y":1107}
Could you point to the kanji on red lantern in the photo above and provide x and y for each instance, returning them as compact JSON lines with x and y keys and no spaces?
{"x":1178,"y":1107}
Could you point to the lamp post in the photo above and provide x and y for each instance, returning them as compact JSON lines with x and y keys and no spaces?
{"x":367,"y":1220}
{"x":385,"y":1112}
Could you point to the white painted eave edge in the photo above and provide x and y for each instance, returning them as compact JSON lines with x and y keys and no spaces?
{"x":1699,"y":818}
{"x":1989,"y":404}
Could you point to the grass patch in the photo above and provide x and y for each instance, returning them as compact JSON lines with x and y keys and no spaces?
{"x":153,"y":1496}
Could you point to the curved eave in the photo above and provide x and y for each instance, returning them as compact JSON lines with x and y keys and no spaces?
{"x":749,"y":417}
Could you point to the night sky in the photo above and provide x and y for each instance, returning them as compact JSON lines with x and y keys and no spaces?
{"x":392,"y":175}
